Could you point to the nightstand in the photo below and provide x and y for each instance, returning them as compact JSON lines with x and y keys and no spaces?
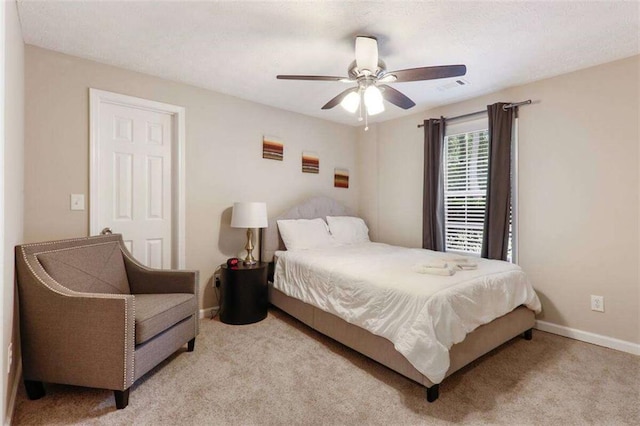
{"x":244,"y":293}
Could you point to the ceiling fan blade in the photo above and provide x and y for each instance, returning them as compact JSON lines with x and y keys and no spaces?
{"x":429,"y":73}
{"x":395,"y":97}
{"x":367,"y":53}
{"x":311,"y":77}
{"x":335,"y":101}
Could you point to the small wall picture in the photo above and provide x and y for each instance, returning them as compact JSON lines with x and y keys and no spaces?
{"x":310,"y":162}
{"x":341,"y":178}
{"x":272,"y":148}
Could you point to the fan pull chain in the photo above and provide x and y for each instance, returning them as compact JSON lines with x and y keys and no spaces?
{"x":366,"y":113}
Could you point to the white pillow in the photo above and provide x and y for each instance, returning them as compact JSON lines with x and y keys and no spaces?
{"x":348,"y":230}
{"x":303,"y":234}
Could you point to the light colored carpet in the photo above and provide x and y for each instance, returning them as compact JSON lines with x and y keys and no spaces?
{"x":278,"y":371}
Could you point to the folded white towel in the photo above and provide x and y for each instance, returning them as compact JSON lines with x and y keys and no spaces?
{"x":467,"y":266}
{"x":435,"y":263}
{"x":461,"y":262}
{"x":422,"y":269}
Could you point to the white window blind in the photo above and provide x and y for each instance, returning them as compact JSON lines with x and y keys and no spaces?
{"x":465,"y":190}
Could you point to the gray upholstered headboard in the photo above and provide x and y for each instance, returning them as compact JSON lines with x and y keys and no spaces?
{"x":311,"y":209}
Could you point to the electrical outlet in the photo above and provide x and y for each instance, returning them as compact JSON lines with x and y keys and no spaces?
{"x":9,"y":357}
{"x":597,"y":303}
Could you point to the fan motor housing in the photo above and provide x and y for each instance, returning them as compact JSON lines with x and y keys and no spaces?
{"x":354,"y":72}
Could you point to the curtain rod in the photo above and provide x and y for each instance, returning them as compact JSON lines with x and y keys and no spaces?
{"x":471,"y":114}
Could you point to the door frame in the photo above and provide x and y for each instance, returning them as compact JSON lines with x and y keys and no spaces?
{"x":97,"y":98}
{"x":4,"y":336}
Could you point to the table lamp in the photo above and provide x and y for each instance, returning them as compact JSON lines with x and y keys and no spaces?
{"x":249,"y":215}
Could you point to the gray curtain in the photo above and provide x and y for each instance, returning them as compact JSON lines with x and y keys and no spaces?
{"x":495,"y":238}
{"x":433,"y":190}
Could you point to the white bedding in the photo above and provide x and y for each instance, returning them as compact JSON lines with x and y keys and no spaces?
{"x":375,"y":286}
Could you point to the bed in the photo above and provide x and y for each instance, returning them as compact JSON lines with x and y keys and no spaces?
{"x":307,"y":284}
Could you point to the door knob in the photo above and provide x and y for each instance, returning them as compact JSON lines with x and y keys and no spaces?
{"x":106,"y":231}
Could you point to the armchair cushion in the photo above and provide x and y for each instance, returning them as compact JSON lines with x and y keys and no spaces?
{"x":96,"y":268}
{"x":157,"y":312}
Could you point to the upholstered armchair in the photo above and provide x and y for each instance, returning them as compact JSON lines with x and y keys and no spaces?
{"x":91,"y":315}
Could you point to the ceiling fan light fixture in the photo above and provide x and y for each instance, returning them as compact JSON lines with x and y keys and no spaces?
{"x":367,"y":54}
{"x":351,"y":102}
{"x":369,"y":73}
{"x":373,"y":100}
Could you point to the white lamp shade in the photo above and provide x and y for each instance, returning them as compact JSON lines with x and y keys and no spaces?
{"x":373,"y":100}
{"x":351,"y":102}
{"x":249,"y":215}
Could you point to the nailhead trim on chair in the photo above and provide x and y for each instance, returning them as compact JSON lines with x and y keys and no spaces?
{"x":96,"y":295}
{"x":126,"y":327}
{"x":75,"y":248}
{"x":133,"y":308}
{"x":65,"y":241}
{"x":133,"y":358}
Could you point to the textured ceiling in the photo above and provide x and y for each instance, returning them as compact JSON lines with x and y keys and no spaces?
{"x":239,"y":47}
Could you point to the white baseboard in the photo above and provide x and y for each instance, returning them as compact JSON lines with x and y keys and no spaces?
{"x":14,"y":392}
{"x":206,"y":312}
{"x":586,"y":336}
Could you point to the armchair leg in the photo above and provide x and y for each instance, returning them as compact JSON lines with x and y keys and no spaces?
{"x":122,"y":398}
{"x":191,"y":345}
{"x":35,"y":389}
{"x":528,"y":335}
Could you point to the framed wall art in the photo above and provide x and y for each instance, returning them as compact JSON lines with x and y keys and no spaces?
{"x":310,"y":162}
{"x":272,"y":148}
{"x":341,"y":178}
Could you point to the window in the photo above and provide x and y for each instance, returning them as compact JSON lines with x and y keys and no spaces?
{"x":465,"y":190}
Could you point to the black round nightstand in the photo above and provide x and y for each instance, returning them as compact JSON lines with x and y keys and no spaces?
{"x":244,"y":293}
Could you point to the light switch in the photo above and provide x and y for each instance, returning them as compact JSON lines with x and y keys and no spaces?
{"x":77,"y":201}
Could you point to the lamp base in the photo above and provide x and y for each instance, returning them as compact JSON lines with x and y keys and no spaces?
{"x":249,"y":260}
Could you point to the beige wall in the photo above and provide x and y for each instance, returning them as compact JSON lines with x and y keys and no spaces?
{"x":13,"y":189}
{"x":368,"y":177}
{"x":223,"y":155}
{"x":579,"y":160}
{"x":578,"y":189}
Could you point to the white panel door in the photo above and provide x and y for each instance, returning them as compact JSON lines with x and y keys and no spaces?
{"x":134,"y":156}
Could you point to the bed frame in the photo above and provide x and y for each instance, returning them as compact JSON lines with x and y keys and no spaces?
{"x":485,"y":338}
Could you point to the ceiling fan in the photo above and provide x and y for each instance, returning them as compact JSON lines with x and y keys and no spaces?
{"x":371,"y":77}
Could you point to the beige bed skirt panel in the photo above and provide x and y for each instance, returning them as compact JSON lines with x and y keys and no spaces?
{"x":477,"y":343}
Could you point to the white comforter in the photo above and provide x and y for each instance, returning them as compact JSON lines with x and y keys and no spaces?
{"x":375,"y":286}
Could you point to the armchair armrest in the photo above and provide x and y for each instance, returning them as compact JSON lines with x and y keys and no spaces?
{"x":143,"y":280}
{"x":84,"y":339}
